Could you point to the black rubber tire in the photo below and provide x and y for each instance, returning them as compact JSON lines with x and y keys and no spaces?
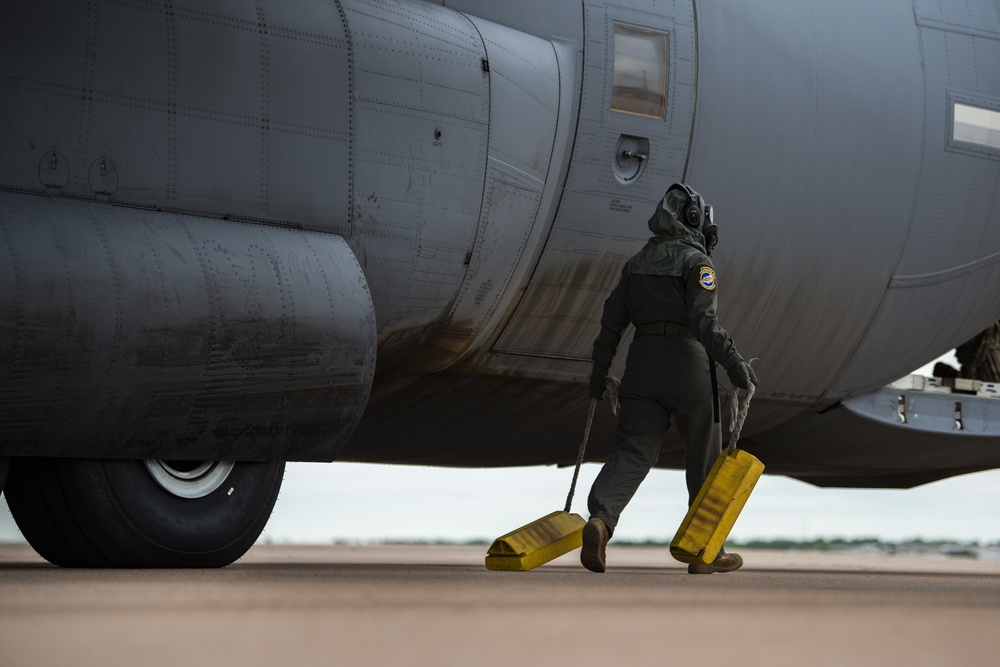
{"x":4,"y":468}
{"x":110,"y":513}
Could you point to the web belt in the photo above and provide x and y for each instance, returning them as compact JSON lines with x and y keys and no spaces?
{"x":662,"y":329}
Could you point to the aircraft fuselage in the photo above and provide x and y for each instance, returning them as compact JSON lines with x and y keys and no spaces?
{"x":238,"y":231}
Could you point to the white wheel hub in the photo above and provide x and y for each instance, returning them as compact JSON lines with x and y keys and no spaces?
{"x":189,"y":479}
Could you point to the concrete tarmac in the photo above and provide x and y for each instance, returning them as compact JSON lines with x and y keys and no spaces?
{"x":424,"y":605}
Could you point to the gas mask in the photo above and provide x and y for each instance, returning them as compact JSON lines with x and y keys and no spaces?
{"x":710,"y":230}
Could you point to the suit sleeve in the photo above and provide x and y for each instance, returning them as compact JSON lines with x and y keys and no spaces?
{"x":613,"y":323}
{"x":701,"y":292}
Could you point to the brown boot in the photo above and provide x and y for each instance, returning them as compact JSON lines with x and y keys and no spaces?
{"x":595,"y":541}
{"x":724,"y":562}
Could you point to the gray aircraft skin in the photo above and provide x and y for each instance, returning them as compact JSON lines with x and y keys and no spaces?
{"x":237,"y":234}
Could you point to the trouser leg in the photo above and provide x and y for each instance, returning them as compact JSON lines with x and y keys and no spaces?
{"x":635,"y":450}
{"x":702,"y":443}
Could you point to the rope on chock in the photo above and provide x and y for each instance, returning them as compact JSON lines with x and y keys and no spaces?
{"x":739,"y":406}
{"x":579,"y":456}
{"x":612,"y":388}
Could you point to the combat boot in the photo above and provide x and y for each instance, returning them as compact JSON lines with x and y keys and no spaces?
{"x":595,"y":542}
{"x":724,"y":562}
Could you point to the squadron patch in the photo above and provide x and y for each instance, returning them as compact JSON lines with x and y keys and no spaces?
{"x":706,"y":276}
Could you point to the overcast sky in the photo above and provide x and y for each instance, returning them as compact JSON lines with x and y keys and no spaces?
{"x":324,"y":502}
{"x":320,"y":503}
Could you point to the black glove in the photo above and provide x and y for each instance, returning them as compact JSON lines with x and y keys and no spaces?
{"x":741,"y":375}
{"x":598,"y":383}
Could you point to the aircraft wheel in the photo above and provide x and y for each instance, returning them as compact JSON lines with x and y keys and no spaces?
{"x":152,"y":513}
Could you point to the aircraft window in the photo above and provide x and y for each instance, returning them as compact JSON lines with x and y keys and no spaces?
{"x":975,"y":125}
{"x":639,"y":82}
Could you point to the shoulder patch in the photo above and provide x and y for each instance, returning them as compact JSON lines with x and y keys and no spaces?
{"x":706,"y":277}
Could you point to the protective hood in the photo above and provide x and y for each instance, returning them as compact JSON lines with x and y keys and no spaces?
{"x":667,"y":253}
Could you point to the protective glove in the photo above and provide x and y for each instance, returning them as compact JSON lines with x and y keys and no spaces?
{"x":741,"y":375}
{"x":598,"y":383}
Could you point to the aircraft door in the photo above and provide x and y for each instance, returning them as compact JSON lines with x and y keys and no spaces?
{"x":636,"y":115}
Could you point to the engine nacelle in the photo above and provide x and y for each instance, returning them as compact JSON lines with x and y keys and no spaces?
{"x":137,"y":334}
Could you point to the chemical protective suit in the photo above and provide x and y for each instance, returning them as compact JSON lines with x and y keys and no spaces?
{"x":668,"y":290}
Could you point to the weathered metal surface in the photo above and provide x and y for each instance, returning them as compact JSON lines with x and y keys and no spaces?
{"x":420,"y":131}
{"x":135,"y":334}
{"x":601,"y":220}
{"x":467,"y":154}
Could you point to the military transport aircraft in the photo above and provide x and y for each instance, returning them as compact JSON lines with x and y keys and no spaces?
{"x":241,"y":233}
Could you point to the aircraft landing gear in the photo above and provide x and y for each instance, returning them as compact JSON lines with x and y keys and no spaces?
{"x":152,"y":513}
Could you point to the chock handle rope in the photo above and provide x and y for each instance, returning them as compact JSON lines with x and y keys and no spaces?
{"x":739,"y":407}
{"x":579,"y":456}
{"x":613,"y":384}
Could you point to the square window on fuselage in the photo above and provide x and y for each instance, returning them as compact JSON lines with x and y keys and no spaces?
{"x":639,"y":81}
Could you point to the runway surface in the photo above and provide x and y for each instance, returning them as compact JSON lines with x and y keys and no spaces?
{"x":424,"y":605}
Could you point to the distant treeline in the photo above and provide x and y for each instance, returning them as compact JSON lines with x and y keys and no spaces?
{"x":951,"y":547}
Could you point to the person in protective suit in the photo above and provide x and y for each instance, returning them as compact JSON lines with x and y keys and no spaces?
{"x":668,"y":291}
